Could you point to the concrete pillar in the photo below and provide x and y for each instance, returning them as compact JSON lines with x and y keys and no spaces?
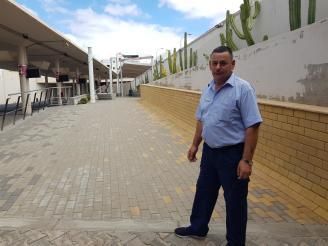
{"x":122,"y":91}
{"x":99,"y":83}
{"x":46,"y":84}
{"x":106,"y":80}
{"x":91,"y":76}
{"x":110,"y":76}
{"x":117,"y":77}
{"x":152,"y":69}
{"x":78,"y":88}
{"x":46,"y":80}
{"x":73,"y":86}
{"x":59,"y":84}
{"x":24,"y":82}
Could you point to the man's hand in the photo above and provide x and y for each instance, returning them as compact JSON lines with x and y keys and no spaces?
{"x":244,"y":170}
{"x":192,"y":153}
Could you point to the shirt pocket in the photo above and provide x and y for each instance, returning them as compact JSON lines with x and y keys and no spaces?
{"x":205,"y":105}
{"x":224,"y":114}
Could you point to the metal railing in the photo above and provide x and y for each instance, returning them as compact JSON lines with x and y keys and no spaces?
{"x":55,"y":100}
{"x":26,"y":103}
{"x":102,"y":89}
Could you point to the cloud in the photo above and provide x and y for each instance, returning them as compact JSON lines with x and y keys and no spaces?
{"x":109,"y":35}
{"x":54,"y":6}
{"x":120,"y":1}
{"x":123,"y":10}
{"x":208,"y":9}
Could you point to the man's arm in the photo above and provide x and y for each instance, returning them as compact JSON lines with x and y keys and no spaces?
{"x":196,"y":141}
{"x":250,"y":141}
{"x":244,"y":169}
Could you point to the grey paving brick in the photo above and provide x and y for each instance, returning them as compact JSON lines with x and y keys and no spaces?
{"x":99,"y":161}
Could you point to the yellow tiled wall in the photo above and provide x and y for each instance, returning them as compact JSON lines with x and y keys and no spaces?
{"x":293,"y":142}
{"x":181,"y":104}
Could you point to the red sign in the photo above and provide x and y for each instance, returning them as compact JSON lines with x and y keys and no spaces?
{"x":22,"y":69}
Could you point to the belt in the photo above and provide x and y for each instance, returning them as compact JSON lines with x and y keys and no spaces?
{"x":238,"y":145}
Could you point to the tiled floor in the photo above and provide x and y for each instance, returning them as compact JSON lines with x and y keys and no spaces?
{"x":116,"y":160}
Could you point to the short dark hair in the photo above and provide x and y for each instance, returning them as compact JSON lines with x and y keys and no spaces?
{"x":222,"y":49}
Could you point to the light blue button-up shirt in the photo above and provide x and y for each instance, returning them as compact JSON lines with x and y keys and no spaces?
{"x":225,"y":114}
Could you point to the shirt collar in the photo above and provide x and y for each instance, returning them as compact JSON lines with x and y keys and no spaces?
{"x":230,"y":81}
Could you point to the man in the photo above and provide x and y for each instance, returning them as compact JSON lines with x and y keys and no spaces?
{"x":228,"y":120}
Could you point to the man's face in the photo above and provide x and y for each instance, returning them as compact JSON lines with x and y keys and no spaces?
{"x":221,"y":66}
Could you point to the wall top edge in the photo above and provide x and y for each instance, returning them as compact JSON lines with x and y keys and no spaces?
{"x":296,"y":106}
{"x":287,"y":105}
{"x":174,"y":89}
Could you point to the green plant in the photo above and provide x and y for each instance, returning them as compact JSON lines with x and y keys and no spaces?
{"x":83,"y":100}
{"x":156,"y":73}
{"x":295,"y":18}
{"x":190,"y":58}
{"x":146,"y":79}
{"x":169,"y":60}
{"x":247,"y":21}
{"x":162,"y":71}
{"x":227,"y":39}
{"x":180,"y":60}
{"x":311,"y":11}
{"x":174,"y":66}
{"x":207,"y":57}
{"x":185,"y":51}
{"x":294,"y":14}
{"x":195,"y":58}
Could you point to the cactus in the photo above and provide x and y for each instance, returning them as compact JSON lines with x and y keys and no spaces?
{"x":156,"y":74}
{"x":162,"y":71}
{"x":174,"y":65}
{"x":146,"y":78}
{"x":227,"y":40}
{"x":160,"y":66}
{"x":295,"y":18}
{"x":247,"y":21}
{"x":180,"y":60}
{"x":207,"y":57}
{"x":185,"y":51}
{"x":169,"y":60}
{"x":190,"y":58}
{"x":311,"y":11}
{"x":195,"y":58}
{"x":294,"y":14}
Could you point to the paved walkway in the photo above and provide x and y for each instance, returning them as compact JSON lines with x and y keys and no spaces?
{"x":115,"y":172}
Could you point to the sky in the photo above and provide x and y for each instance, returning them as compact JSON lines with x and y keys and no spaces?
{"x":143,"y":27}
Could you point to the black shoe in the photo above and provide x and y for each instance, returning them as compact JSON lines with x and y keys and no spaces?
{"x":187,"y":232}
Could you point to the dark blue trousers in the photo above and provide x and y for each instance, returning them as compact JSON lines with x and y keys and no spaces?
{"x":219,"y":168}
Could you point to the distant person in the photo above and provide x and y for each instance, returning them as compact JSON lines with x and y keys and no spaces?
{"x":228,"y":121}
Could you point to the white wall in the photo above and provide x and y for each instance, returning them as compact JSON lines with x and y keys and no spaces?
{"x":272,"y":21}
{"x":292,"y":66}
{"x":9,"y":83}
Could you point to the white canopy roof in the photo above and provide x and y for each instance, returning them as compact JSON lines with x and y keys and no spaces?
{"x":44,"y":45}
